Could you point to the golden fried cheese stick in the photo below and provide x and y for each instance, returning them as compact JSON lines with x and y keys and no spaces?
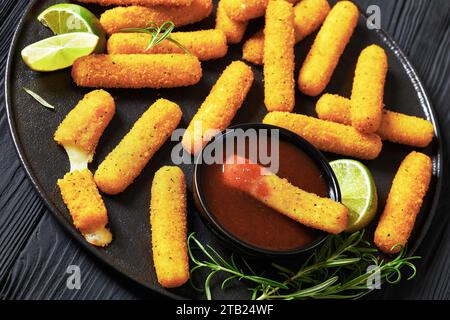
{"x":279,"y":83}
{"x":328,"y":47}
{"x":118,"y":18}
{"x":219,"y":107}
{"x":86,"y":206}
{"x":122,"y":165}
{"x":329,"y":136}
{"x":308,"y":16}
{"x":168,"y":223}
{"x":139,"y":2}
{"x":277,"y":193}
{"x":234,"y":30}
{"x":395,"y":127}
{"x":244,"y":10}
{"x":204,"y":44}
{"x":368,"y":89}
{"x":408,"y":189}
{"x":136,"y":71}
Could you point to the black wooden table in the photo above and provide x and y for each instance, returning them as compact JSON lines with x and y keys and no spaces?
{"x":35,"y":252}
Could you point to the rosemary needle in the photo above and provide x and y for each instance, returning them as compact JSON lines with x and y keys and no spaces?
{"x":38,"y":98}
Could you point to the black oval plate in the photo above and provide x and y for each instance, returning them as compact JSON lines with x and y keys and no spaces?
{"x":32,"y":128}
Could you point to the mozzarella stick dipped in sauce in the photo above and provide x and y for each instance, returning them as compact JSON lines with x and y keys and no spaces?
{"x":327,"y":48}
{"x":279,"y":84}
{"x":123,"y":164}
{"x":204,"y":44}
{"x":405,"y":199}
{"x":308,"y":16}
{"x":395,"y":127}
{"x":137,"y":71}
{"x":368,"y":89}
{"x":171,"y":3}
{"x":307,"y":208}
{"x":219,"y":107}
{"x":168,"y":227}
{"x":329,"y":136}
{"x":79,"y":134}
{"x":118,"y":18}
{"x":234,"y":30}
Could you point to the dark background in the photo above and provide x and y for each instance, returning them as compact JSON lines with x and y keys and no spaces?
{"x":35,"y":251}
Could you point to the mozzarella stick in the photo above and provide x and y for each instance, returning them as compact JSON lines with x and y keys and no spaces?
{"x":83,"y":126}
{"x":368,"y":89}
{"x":139,"y":2}
{"x":244,"y":10}
{"x":327,"y":48}
{"x":168,"y":227}
{"x":279,"y":84}
{"x":279,"y":194}
{"x":204,"y":44}
{"x":122,"y":165}
{"x":86,"y":206}
{"x":395,"y":127}
{"x":118,"y":18}
{"x":308,"y":16}
{"x":219,"y":107}
{"x":136,"y":71}
{"x":329,"y":136}
{"x":405,"y":199}
{"x":234,"y":30}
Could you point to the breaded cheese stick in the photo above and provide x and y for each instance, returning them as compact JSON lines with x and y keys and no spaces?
{"x":327,"y":48}
{"x":395,"y":127}
{"x":244,"y":10}
{"x":368,"y":89}
{"x":168,"y":222}
{"x":405,"y":198}
{"x":83,"y":126}
{"x":279,"y":194}
{"x":308,"y":16}
{"x":171,"y":3}
{"x":86,"y":206}
{"x":136,"y":71}
{"x":279,"y":83}
{"x":234,"y":30}
{"x":122,"y":165}
{"x":329,"y":136}
{"x":219,"y":107}
{"x":118,"y":18}
{"x":204,"y":44}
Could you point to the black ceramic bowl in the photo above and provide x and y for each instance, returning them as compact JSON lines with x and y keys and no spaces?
{"x":215,"y":226}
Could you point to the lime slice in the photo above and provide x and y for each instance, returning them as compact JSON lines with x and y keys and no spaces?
{"x":66,"y":17}
{"x":358,"y":190}
{"x":59,"y":52}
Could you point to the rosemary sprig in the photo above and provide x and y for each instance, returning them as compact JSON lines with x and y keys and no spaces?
{"x":158,"y":34}
{"x":38,"y":98}
{"x":338,"y":270}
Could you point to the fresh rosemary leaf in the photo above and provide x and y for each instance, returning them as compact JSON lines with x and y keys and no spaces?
{"x":38,"y":98}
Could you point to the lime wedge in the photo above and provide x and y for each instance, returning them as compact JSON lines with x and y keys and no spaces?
{"x":358,"y":190}
{"x":66,"y":17}
{"x":59,"y":52}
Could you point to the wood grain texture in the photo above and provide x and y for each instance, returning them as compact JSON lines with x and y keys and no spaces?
{"x":35,"y":251}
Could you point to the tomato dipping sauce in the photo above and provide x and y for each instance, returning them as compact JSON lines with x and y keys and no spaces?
{"x":250,"y":220}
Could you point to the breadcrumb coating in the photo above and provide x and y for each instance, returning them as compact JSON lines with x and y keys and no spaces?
{"x":123,"y":164}
{"x":204,"y":44}
{"x":308,"y":16}
{"x":137,"y":71}
{"x":327,"y":48}
{"x":168,"y":227}
{"x":139,"y":2}
{"x":405,"y":199}
{"x":118,"y":18}
{"x":220,"y":106}
{"x":395,"y":127}
{"x":84,"y":124}
{"x":86,"y":206}
{"x":279,"y":83}
{"x":368,"y":89}
{"x":234,"y":30}
{"x":329,"y":136}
